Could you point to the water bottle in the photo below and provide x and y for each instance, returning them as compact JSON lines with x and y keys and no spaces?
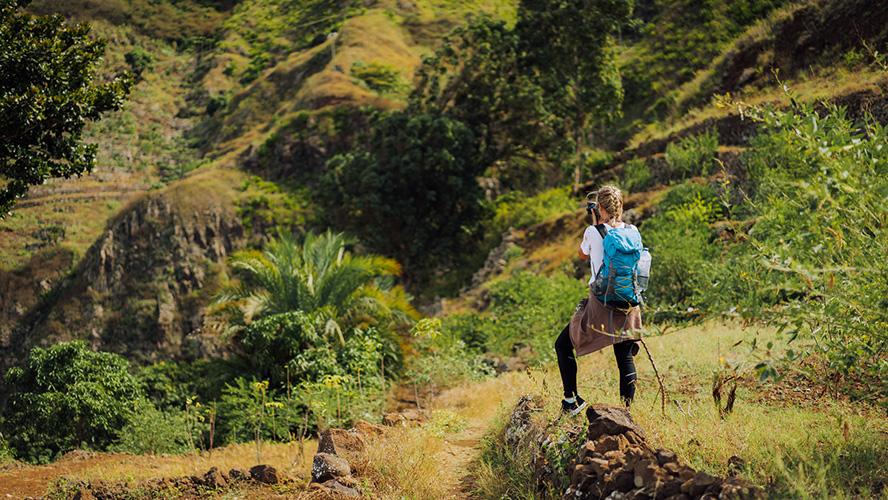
{"x":644,"y":269}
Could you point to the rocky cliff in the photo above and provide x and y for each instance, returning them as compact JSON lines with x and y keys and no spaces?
{"x":141,"y":289}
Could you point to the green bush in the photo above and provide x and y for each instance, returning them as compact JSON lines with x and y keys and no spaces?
{"x":636,"y":174}
{"x":140,"y":60}
{"x":814,"y":262}
{"x":382,"y":78}
{"x":151,"y":431}
{"x":693,"y":155}
{"x":67,"y":397}
{"x":443,"y":361}
{"x":679,"y":240}
{"x":517,"y":209}
{"x":525,"y":309}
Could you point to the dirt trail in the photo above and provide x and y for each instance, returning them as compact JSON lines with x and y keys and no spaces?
{"x":19,"y":482}
{"x":459,"y":450}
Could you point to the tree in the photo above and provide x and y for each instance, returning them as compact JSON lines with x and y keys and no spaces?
{"x":66,"y":397}
{"x":475,"y":77}
{"x":331,"y":289}
{"x":48,"y":91}
{"x":567,"y":46}
{"x":413,"y":194}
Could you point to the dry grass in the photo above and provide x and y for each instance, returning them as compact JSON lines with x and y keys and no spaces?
{"x":403,"y":465}
{"x":283,"y":457}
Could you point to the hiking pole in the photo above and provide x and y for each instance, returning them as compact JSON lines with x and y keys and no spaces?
{"x":657,"y":373}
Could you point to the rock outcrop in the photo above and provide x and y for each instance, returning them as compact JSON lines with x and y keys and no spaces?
{"x":141,"y":289}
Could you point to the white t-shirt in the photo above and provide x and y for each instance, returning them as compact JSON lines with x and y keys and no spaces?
{"x":593,"y":246}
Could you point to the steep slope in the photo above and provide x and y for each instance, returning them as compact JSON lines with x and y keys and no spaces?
{"x":139,"y":289}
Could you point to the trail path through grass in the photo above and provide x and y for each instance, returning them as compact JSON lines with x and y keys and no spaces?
{"x":458,"y":452}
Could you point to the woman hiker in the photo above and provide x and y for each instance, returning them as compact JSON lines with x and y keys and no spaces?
{"x":595,"y":324}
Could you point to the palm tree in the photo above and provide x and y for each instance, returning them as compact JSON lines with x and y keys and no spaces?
{"x":336,"y":290}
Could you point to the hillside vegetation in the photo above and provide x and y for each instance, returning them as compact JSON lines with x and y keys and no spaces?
{"x":453,"y":142}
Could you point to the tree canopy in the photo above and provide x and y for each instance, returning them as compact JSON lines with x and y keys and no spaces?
{"x":48,"y":91}
{"x":476,"y":77}
{"x":413,"y":194}
{"x":567,"y":46}
{"x":330,"y":287}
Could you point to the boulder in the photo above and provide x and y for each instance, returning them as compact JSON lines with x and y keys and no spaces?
{"x":340,"y":442}
{"x":393,"y":419}
{"x":265,"y":474}
{"x":609,"y":420}
{"x":326,"y":467}
{"x":239,"y":475}
{"x":366,"y":429}
{"x":215,"y":479}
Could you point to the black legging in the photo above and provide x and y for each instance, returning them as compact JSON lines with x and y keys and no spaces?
{"x":567,"y":364}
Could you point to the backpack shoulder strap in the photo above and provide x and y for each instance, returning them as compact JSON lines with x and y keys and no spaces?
{"x":602,"y":230}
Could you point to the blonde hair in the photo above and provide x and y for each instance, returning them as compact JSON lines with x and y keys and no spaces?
{"x":610,"y":198}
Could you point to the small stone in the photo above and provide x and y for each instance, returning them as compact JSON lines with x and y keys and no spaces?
{"x":367,"y":429}
{"x":337,"y":488}
{"x":687,"y":473}
{"x":673,"y":468}
{"x":326,"y":467}
{"x":413,"y":416}
{"x":348,"y":481}
{"x":239,"y":475}
{"x":615,"y":458}
{"x":634,"y":438}
{"x":264,"y":474}
{"x":610,"y":420}
{"x":392,"y":419}
{"x":670,"y":488}
{"x":606,"y":444}
{"x":665,"y":456}
{"x":640,"y":467}
{"x":624,"y":481}
{"x":599,"y":466}
{"x":340,"y":442}
{"x":214,"y":479}
{"x":698,"y":485}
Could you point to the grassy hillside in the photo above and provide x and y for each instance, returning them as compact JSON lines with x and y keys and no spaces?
{"x":690,"y":52}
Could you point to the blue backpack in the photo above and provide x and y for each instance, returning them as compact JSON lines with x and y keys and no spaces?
{"x":617,"y":280}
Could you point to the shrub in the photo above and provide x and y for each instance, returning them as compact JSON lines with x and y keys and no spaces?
{"x":692,"y":155}
{"x":67,"y":397}
{"x":382,"y":78}
{"x":636,"y":174}
{"x":679,"y":241}
{"x":151,"y":431}
{"x":516,"y":209}
{"x":814,"y":263}
{"x":140,"y":60}
{"x":525,"y":309}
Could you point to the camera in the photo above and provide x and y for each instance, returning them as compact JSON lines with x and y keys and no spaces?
{"x":592,"y":207}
